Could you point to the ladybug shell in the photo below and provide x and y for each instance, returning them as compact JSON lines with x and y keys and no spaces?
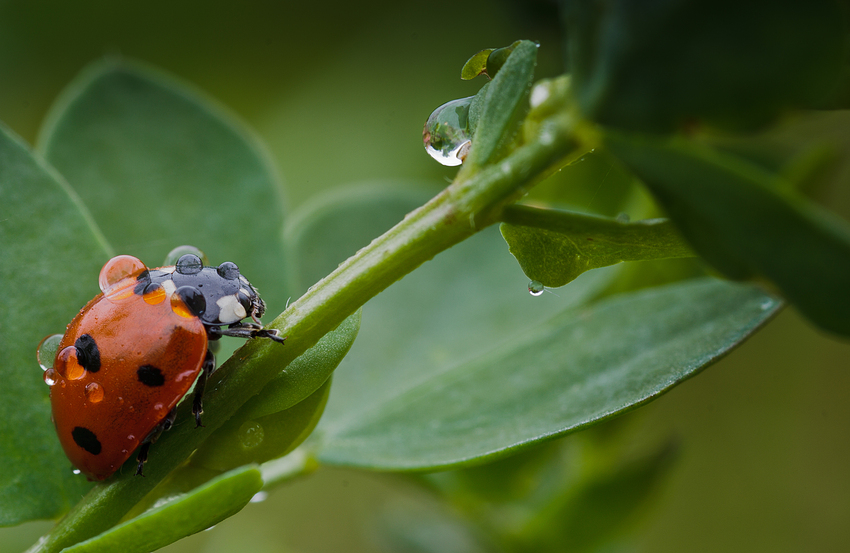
{"x":124,"y":362}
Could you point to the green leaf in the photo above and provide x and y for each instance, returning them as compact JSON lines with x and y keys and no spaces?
{"x":47,"y":241}
{"x":746,"y":223}
{"x":206,"y":506}
{"x":542,"y":381}
{"x":647,"y":65}
{"x":600,"y":508}
{"x":475,"y":65}
{"x":160,"y":165}
{"x":555,"y":247}
{"x":503,"y":104}
{"x":280,"y":418}
{"x":243,"y":439}
{"x":456,"y":306}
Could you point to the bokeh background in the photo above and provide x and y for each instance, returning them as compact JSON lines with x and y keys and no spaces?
{"x":338,"y":92}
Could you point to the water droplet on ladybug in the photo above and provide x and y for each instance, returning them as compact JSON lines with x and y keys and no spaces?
{"x":189,"y":264}
{"x":67,"y":365}
{"x":535,"y":288}
{"x":117,"y":269}
{"x":94,"y":392}
{"x":153,"y":294}
{"x":251,"y":434}
{"x":46,"y":351}
{"x":446,"y":134}
{"x":50,"y":377}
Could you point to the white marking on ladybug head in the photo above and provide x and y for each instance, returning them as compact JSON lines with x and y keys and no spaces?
{"x":230,"y":310}
{"x":168,"y":286}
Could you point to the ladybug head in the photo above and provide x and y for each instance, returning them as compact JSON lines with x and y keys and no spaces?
{"x":216,"y":295}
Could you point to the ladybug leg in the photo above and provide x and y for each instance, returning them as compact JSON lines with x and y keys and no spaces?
{"x":200,"y":384}
{"x":164,"y":424}
{"x":251,"y":330}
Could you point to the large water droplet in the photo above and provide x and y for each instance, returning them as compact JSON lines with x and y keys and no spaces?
{"x":446,"y":133}
{"x":46,"y":352}
{"x":251,"y":434}
{"x":94,"y":392}
{"x":535,"y":288}
{"x":117,"y":269}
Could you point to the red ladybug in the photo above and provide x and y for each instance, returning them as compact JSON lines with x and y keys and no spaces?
{"x":133,"y":352}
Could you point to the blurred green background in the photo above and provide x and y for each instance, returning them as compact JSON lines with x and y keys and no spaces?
{"x":339,"y":93}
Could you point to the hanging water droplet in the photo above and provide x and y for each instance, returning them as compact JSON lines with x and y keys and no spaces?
{"x":94,"y":392}
{"x":446,"y":133}
{"x":251,"y":434}
{"x":50,"y":377}
{"x":535,"y":288}
{"x":259,"y":497}
{"x":46,"y":351}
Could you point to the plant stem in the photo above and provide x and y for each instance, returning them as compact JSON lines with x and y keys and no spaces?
{"x":458,"y":212}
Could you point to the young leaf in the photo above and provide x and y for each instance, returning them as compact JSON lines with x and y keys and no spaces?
{"x":578,"y":368}
{"x":503,"y":103}
{"x":278,"y":419}
{"x":47,"y":240}
{"x":555,"y":247}
{"x":245,"y":439}
{"x":204,"y":507}
{"x":745,"y":222}
{"x":160,"y":165}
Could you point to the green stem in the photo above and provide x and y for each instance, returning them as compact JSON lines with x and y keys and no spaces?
{"x":461,"y":210}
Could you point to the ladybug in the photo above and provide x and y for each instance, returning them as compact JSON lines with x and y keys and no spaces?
{"x":133,"y":352}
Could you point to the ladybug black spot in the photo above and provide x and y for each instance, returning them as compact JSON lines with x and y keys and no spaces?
{"x":150,"y":376}
{"x":86,"y":439}
{"x":88,"y":354}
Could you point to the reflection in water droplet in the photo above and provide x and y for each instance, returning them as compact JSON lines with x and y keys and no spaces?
{"x":535,"y":288}
{"x":767,"y":304}
{"x":76,"y":471}
{"x":446,"y":133}
{"x":259,"y":497}
{"x":251,"y":434}
{"x":67,"y":366}
{"x":94,"y":392}
{"x":46,"y":352}
{"x":50,"y":377}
